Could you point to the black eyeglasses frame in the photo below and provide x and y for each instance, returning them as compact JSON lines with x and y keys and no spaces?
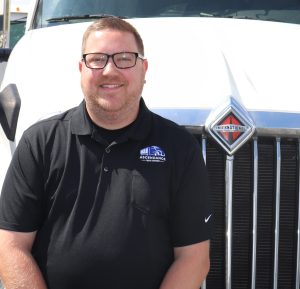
{"x":137,"y":55}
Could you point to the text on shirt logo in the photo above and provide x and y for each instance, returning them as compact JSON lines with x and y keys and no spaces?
{"x":152,"y":154}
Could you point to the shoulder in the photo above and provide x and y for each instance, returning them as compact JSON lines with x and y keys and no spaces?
{"x":48,"y":134}
{"x":172,"y":132}
{"x":182,"y":148}
{"x":57,"y":124}
{"x":53,"y":121}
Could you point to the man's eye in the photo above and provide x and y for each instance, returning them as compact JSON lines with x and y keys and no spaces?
{"x":124,"y":59}
{"x":98,"y":59}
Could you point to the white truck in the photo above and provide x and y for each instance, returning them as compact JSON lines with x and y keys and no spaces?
{"x":227,"y":70}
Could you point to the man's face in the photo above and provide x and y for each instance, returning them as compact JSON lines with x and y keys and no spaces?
{"x":112,"y":89}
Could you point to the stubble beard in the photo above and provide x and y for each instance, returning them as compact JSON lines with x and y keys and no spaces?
{"x":102,"y":111}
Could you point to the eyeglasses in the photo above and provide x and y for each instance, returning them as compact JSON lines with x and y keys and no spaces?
{"x":121,"y":60}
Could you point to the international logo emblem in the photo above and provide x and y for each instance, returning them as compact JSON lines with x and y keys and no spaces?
{"x":230,"y":125}
{"x":230,"y":129}
{"x":152,"y":154}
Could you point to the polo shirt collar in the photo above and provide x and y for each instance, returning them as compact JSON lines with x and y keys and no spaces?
{"x":81,"y":123}
{"x":141,"y":126}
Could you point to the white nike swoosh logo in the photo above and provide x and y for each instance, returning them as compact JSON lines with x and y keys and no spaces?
{"x":207,"y":219}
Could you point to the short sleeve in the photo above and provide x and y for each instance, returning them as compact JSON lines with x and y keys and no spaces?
{"x":21,"y":196}
{"x":191,"y":209}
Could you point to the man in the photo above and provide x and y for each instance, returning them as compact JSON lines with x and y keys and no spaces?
{"x":106,"y":195}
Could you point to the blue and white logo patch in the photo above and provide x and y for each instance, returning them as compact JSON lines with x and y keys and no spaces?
{"x":152,"y":154}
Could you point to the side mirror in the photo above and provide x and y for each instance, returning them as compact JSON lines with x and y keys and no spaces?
{"x":10,"y":104}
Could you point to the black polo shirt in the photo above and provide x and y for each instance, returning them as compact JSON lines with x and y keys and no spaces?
{"x":107,"y":215}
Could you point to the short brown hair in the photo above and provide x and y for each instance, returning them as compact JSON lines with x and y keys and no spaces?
{"x":113,"y":23}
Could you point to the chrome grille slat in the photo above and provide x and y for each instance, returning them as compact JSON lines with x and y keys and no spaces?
{"x":297,"y":286}
{"x":277,"y":213}
{"x":229,"y":183}
{"x":254,"y":218}
{"x":203,"y":286}
{"x":204,"y":148}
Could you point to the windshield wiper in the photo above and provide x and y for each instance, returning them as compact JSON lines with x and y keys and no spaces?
{"x":240,"y":14}
{"x":79,"y":17}
{"x":247,"y":17}
{"x":223,"y":15}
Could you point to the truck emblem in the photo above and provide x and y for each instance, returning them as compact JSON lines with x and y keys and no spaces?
{"x":230,"y":128}
{"x":230,"y":125}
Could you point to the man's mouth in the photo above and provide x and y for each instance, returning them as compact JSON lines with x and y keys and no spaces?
{"x":111,"y":86}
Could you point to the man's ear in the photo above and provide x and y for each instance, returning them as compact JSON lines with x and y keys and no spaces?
{"x":145,"y":63}
{"x":80,"y":66}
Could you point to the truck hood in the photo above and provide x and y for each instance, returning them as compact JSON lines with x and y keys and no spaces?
{"x":193,"y":63}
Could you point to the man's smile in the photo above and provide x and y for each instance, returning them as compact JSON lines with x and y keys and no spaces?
{"x":111,"y":86}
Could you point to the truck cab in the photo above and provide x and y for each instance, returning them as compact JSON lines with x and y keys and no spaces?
{"x":226,"y":70}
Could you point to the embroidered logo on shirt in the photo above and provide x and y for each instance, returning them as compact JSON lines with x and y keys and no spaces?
{"x":152,"y":154}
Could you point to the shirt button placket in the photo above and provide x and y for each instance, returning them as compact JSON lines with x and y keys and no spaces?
{"x":107,"y":151}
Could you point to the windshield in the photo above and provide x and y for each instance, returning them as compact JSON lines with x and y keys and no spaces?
{"x":17,"y":30}
{"x":55,"y":12}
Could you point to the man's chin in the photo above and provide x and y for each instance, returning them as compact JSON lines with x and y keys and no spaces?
{"x":109,"y":107}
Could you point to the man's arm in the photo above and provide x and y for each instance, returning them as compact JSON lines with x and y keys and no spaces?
{"x":18,"y":268}
{"x":190,"y":267}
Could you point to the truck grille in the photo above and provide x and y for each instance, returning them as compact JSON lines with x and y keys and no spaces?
{"x":255,"y":198}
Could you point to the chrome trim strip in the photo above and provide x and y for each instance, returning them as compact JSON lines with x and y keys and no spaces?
{"x":203,"y":286}
{"x":229,"y":188}
{"x":267,"y":132}
{"x":254,"y":218}
{"x":280,"y":124}
{"x":298,"y":230}
{"x":277,"y":217}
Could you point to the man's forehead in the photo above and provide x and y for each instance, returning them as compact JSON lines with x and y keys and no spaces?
{"x":109,"y":37}
{"x":112,"y":32}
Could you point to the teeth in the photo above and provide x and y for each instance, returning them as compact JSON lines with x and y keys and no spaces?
{"x":110,"y":85}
